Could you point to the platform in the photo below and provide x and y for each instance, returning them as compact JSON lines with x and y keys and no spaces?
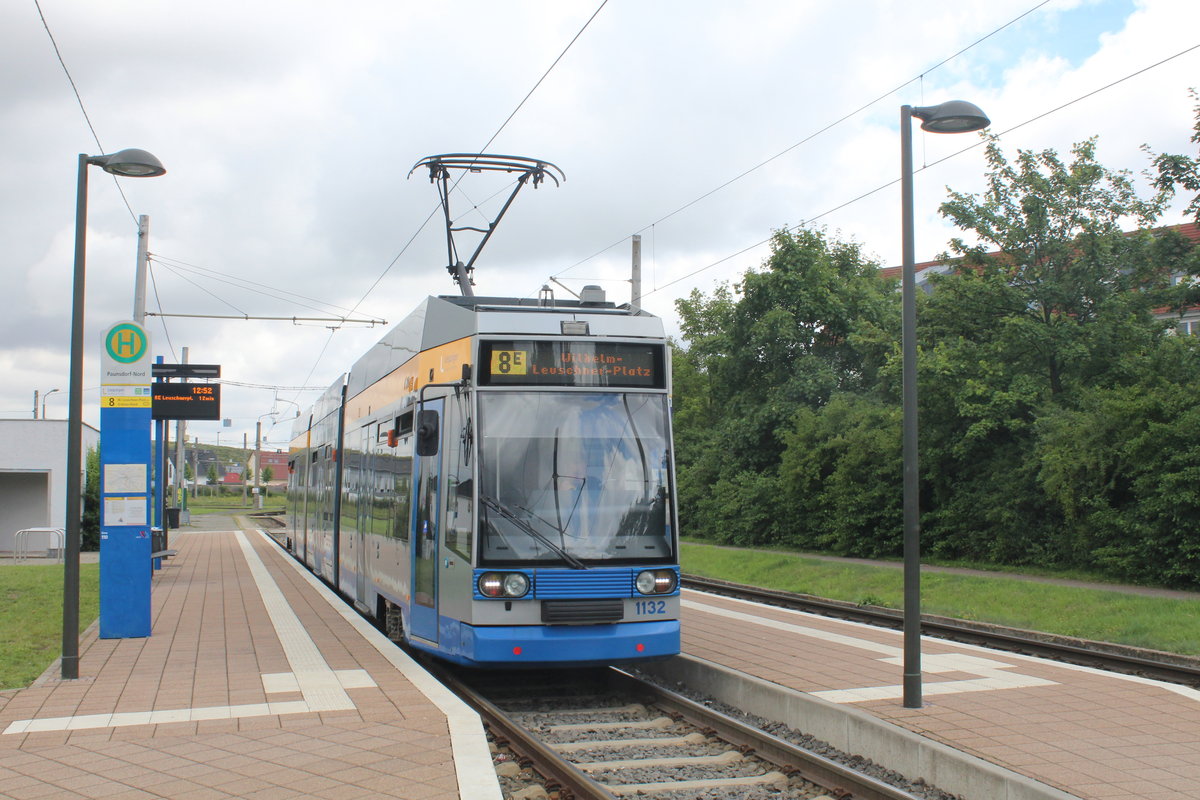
{"x":257,"y":682}
{"x":1091,"y":734}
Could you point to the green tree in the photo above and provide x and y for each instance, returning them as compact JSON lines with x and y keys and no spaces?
{"x":89,"y":532}
{"x":1175,"y":172}
{"x":1051,"y":258}
{"x":807,"y":325}
{"x":211,"y":475}
{"x":1057,"y":410}
{"x":1123,"y":467}
{"x":1054,"y":302}
{"x":840,"y":475}
{"x":267,"y":474}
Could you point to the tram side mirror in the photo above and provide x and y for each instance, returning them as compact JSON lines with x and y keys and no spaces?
{"x":427,"y":433}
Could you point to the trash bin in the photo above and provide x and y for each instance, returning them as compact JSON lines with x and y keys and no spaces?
{"x":172,"y":517}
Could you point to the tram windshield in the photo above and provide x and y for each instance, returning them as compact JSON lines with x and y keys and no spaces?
{"x":574,"y":478}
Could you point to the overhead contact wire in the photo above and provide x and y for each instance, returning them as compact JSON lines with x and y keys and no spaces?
{"x":811,"y":136}
{"x":435,"y":210}
{"x":79,"y":99}
{"x":955,"y":154}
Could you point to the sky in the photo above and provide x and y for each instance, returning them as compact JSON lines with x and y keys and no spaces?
{"x":288,"y":131}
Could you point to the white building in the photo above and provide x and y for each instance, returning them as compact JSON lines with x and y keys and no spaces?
{"x":33,"y":474}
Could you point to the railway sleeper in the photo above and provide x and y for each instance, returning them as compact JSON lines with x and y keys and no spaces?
{"x":659,"y":723}
{"x":615,"y":744}
{"x":724,"y":759}
{"x":777,"y":779}
{"x":631,"y":708}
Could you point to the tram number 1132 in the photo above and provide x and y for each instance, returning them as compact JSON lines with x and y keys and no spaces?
{"x":650,"y":607}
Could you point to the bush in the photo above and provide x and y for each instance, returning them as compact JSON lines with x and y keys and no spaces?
{"x":89,"y":532}
{"x":841,"y":476}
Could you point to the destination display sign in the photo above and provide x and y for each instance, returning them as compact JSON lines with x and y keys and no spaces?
{"x":572,"y":363}
{"x":186,"y":401}
{"x":186,"y":370}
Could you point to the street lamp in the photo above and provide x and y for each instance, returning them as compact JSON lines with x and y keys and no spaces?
{"x":46,"y":395}
{"x":293,"y":402}
{"x":132,"y":163}
{"x":954,"y":116}
{"x":258,"y":498}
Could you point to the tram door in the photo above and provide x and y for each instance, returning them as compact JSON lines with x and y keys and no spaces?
{"x":366,"y":506}
{"x":423,"y":620}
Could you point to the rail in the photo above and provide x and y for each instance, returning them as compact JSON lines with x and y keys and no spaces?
{"x":554,"y":762}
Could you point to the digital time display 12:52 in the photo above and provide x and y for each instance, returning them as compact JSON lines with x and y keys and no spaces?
{"x":199,"y":401}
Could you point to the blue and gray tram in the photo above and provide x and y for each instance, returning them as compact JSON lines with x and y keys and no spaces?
{"x":493,"y":481}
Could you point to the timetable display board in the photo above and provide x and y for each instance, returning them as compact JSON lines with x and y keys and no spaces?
{"x":572,"y":363}
{"x":200,"y":401}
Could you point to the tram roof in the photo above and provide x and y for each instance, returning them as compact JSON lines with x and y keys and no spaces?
{"x":439,"y":320}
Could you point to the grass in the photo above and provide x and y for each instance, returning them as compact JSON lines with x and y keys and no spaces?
{"x":31,"y":617}
{"x":31,"y":602}
{"x":1158,"y":623}
{"x":232,"y":503}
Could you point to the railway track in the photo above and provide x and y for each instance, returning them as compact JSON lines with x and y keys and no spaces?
{"x":602,"y":734}
{"x":1100,"y":655}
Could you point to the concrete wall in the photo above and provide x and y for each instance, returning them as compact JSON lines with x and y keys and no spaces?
{"x":33,"y":474}
{"x":855,"y":731}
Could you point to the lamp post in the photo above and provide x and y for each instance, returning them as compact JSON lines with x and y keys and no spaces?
{"x":279,"y":400}
{"x":954,"y":116}
{"x":258,"y":498}
{"x":132,"y":163}
{"x":45,"y":396}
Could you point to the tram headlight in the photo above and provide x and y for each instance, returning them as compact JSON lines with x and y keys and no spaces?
{"x":491,"y":584}
{"x":515,"y":584}
{"x":503,"y":584}
{"x":655,"y":581}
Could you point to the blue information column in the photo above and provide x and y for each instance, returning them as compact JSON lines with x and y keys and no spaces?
{"x":125,"y":411}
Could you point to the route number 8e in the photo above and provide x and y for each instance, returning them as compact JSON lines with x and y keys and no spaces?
{"x":509,"y":362}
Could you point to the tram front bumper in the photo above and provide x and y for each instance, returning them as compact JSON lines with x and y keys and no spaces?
{"x":534,"y":645}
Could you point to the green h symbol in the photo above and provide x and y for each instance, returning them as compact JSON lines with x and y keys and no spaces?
{"x":126,"y":344}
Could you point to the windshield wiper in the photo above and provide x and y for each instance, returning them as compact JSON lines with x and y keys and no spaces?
{"x":554,"y":478}
{"x":503,"y":511}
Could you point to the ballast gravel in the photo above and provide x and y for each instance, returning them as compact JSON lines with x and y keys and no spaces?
{"x":917,"y":788}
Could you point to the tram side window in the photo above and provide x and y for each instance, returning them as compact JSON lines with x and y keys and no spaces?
{"x":402,"y":502}
{"x":398,"y":461}
{"x":376,"y":507}
{"x":459,"y":485}
{"x":393,"y":474}
{"x":404,"y":424}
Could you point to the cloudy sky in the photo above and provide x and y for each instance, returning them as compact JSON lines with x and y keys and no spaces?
{"x":288,"y":130}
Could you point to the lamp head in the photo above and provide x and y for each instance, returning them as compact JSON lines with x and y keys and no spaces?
{"x":953,"y":116}
{"x":130,"y":163}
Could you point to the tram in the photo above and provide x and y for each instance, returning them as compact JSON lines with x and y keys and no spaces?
{"x":493,"y":481}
